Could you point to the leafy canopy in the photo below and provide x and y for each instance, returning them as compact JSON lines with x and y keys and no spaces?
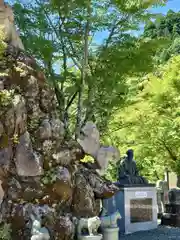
{"x":151,"y":122}
{"x":90,"y":78}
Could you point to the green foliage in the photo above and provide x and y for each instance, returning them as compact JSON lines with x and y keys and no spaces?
{"x":3,"y":45}
{"x":49,"y":176}
{"x":5,"y":232}
{"x":167,"y":26}
{"x":87,"y":159}
{"x":151,"y":122}
{"x":33,"y":125}
{"x":111,"y":172}
{"x":104,"y":82}
{"x":54,"y":33}
{"x":6,"y":97}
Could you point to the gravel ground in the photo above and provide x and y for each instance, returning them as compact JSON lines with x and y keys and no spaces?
{"x":161,"y":233}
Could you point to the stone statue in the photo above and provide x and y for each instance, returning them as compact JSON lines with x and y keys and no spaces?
{"x":110,"y":221}
{"x":7,"y":26}
{"x":38,"y":232}
{"x":162,"y":195}
{"x":128,"y":172}
{"x":92,"y":224}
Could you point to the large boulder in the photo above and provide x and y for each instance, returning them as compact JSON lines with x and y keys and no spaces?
{"x":42,"y":177}
{"x":89,"y":140}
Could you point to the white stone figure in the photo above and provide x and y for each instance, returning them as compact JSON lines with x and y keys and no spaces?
{"x":7,"y":25}
{"x":110,"y":221}
{"x":38,"y":232}
{"x":162,"y":195}
{"x":90,"y":142}
{"x":92,"y":224}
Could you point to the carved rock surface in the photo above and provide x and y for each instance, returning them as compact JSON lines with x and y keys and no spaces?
{"x":90,"y":142}
{"x":45,"y":131}
{"x":1,"y":129}
{"x":28,"y":163}
{"x":5,"y":160}
{"x":62,"y":186}
{"x":105,"y":154}
{"x":20,"y":114}
{"x":89,"y":139}
{"x":64,"y":228}
{"x":32,"y":88}
{"x":83,"y":204}
{"x":57,"y":129}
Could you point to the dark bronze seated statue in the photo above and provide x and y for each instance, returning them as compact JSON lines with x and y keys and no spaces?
{"x":128,"y":172}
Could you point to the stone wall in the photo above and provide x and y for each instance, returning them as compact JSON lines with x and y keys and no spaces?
{"x":40,"y":169}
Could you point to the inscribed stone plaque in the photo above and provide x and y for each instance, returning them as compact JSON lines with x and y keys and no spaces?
{"x":141,"y":210}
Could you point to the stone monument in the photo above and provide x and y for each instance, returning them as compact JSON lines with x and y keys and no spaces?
{"x":162,"y":196}
{"x":128,"y":172}
{"x":109,"y":225}
{"x":136,"y":200}
{"x":171,"y":216}
{"x":91,"y":225}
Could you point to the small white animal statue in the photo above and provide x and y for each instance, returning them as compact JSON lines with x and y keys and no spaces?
{"x":38,"y":232}
{"x":110,"y":221}
{"x":92,"y":224}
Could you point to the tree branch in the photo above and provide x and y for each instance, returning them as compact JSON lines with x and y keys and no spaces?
{"x":71,"y":100}
{"x":93,"y":73}
{"x":58,"y":35}
{"x":83,"y":72}
{"x":171,"y":154}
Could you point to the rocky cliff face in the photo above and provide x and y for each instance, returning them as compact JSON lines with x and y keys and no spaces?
{"x":40,"y":170}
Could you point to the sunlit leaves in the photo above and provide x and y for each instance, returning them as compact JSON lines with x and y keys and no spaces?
{"x":151,"y":125}
{"x":165,"y":26}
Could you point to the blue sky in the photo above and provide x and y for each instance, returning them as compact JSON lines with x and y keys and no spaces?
{"x":171,"y":4}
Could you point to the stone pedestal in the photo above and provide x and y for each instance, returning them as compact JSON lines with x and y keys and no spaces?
{"x":92,"y":237}
{"x":171,"y":217}
{"x":137,"y":205}
{"x":110,"y":233}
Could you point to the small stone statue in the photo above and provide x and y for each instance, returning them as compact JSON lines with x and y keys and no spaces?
{"x":38,"y":232}
{"x":162,"y":195}
{"x":128,"y":172}
{"x":92,"y":224}
{"x":110,"y":221}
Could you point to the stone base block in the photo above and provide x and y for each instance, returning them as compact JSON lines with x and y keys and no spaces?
{"x":137,"y":206}
{"x":169,"y":219}
{"x":110,"y":233}
{"x":90,"y":237}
